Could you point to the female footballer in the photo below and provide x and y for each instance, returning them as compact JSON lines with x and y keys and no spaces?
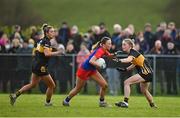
{"x":88,"y":69}
{"x":39,"y":67}
{"x":144,"y":75}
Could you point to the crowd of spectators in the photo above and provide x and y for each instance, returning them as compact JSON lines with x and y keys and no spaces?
{"x":147,"y":40}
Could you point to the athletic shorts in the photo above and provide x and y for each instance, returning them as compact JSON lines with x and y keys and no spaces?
{"x":147,"y":78}
{"x":39,"y":70}
{"x":84,"y":74}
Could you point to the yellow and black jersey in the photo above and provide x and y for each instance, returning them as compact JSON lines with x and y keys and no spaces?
{"x":35,"y":46}
{"x":40,"y":61}
{"x":141,"y":64}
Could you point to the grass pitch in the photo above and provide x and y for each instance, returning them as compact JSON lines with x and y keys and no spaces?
{"x":32,"y":105}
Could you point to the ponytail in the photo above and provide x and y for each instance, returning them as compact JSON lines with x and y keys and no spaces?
{"x":99,"y":43}
{"x":46,"y":28}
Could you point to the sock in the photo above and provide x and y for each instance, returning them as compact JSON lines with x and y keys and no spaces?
{"x":48,"y":101}
{"x":67,"y":99}
{"x":126,"y":99}
{"x":101,"y":99}
{"x":18,"y":93}
{"x":151,"y":104}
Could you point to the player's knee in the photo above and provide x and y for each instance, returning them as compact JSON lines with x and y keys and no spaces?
{"x":126,"y":82}
{"x":105,"y":86}
{"x":53,"y":86}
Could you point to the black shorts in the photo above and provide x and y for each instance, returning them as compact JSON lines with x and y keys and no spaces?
{"x":39,"y":70}
{"x":147,"y":78}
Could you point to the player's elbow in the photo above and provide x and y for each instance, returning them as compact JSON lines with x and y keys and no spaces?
{"x":91,"y":61}
{"x":104,"y":86}
{"x":48,"y":54}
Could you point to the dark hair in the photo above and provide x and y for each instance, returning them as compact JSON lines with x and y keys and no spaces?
{"x":64,"y":23}
{"x":17,"y":26}
{"x":99,"y":43}
{"x":46,"y":28}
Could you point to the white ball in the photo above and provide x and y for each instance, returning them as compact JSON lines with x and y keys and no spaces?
{"x":101,"y":62}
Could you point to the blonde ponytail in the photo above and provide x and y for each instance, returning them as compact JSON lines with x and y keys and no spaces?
{"x":95,"y":46}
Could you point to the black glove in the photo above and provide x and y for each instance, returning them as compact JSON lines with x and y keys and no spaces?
{"x":121,"y":69}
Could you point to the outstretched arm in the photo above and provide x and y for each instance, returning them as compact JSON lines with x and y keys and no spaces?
{"x":124,"y":60}
{"x":48,"y":52}
{"x":126,"y":69}
{"x":130,"y":67}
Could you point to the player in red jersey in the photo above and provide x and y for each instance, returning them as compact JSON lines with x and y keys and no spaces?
{"x":89,"y":69}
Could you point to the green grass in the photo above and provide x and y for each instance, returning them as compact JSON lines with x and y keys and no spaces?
{"x":81,"y":105}
{"x":85,"y":13}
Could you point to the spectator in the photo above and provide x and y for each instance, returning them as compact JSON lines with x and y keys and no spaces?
{"x":132,"y":31}
{"x":112,"y":74}
{"x":31,"y":44}
{"x":170,"y":71}
{"x":69,"y":64}
{"x":116,"y":37}
{"x":4,"y":78}
{"x":158,"y":50}
{"x":76,"y":38}
{"x":172,"y":27}
{"x":81,"y":57}
{"x":38,"y":35}
{"x":103,"y":30}
{"x":138,"y":48}
{"x":82,"y":54}
{"x":142,"y":42}
{"x":166,"y":37}
{"x":160,"y":30}
{"x":12,"y":61}
{"x":96,"y":30}
{"x":3,"y":43}
{"x":61,"y":71}
{"x":88,"y":39}
{"x":148,"y":35}
{"x":177,"y":42}
{"x":17,"y":31}
{"x":23,"y":65}
{"x":126,"y":33}
{"x":64,"y":34}
{"x":15,"y":46}
{"x":33,"y":31}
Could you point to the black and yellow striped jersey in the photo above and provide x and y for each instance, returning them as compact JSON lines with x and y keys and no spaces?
{"x":39,"y":56}
{"x":141,"y":64}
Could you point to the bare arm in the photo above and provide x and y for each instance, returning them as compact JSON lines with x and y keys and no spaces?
{"x":130,"y":67}
{"x":111,"y":56}
{"x":93,"y":61}
{"x":48,"y":52}
{"x":126,"y":60}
